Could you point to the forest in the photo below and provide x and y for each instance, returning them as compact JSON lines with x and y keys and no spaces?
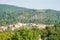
{"x":12,"y":14}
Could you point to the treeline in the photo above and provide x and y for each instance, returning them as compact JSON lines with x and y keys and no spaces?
{"x":12,"y":14}
{"x":34,"y":33}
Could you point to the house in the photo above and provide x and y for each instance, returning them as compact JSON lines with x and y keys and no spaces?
{"x":41,"y":25}
{"x":1,"y":29}
{"x":4,"y":28}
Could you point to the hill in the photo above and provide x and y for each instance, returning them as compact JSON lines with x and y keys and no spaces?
{"x":12,"y":14}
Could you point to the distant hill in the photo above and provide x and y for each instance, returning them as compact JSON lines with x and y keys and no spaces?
{"x":12,"y":14}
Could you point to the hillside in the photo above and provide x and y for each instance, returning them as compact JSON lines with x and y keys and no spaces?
{"x":12,"y":14}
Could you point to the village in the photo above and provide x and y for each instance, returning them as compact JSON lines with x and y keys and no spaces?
{"x":18,"y":25}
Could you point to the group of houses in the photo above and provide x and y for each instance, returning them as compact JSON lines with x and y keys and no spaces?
{"x":11,"y":27}
{"x":18,"y":25}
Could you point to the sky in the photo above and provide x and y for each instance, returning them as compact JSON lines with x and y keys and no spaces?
{"x":34,"y":4}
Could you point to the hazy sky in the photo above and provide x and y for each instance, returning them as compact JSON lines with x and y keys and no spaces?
{"x":34,"y":4}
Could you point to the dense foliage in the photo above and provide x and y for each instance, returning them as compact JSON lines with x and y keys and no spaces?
{"x":54,"y":32}
{"x":21,"y":34}
{"x":51,"y":32}
{"x":12,"y":14}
